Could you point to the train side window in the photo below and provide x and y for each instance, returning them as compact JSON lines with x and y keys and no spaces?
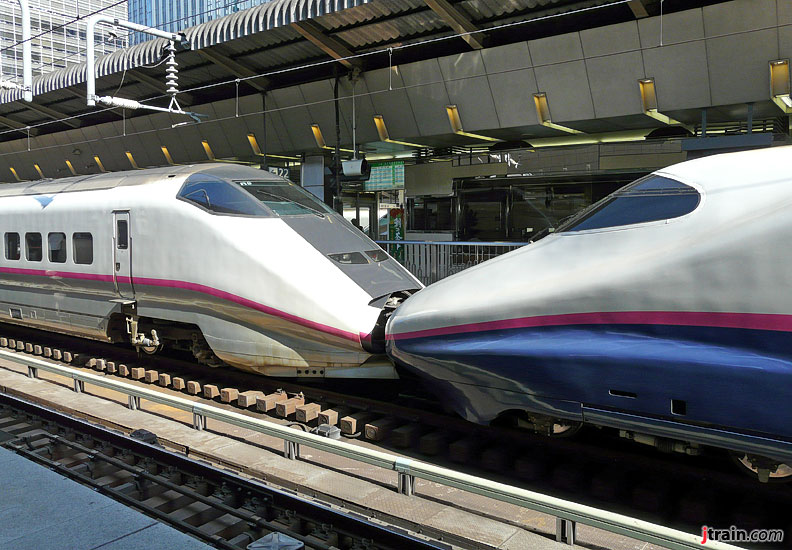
{"x":12,"y":248}
{"x":33,"y":249}
{"x":57,"y":247}
{"x":82,"y":247}
{"x":649,"y":199}
{"x":122,"y":235}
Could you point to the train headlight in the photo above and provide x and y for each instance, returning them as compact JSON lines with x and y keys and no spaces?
{"x":349,"y":258}
{"x":377,"y":255}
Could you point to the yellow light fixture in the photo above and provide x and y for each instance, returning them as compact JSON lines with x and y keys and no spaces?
{"x":208,"y":150}
{"x":287,"y":157}
{"x":318,"y":137}
{"x":167,"y":154}
{"x":779,"y":84}
{"x":38,"y":169}
{"x":254,"y":144}
{"x":71,"y":168}
{"x":456,"y":124}
{"x":649,"y":102}
{"x":543,"y":114}
{"x":15,"y":173}
{"x":132,"y":160}
{"x":320,"y":141}
{"x":382,"y":130}
{"x":99,"y":163}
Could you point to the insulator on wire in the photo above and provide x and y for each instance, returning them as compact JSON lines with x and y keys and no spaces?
{"x":172,"y":71}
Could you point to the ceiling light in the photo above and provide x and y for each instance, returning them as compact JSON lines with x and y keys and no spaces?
{"x":99,"y":163}
{"x":382,"y":131}
{"x":543,"y":114}
{"x":779,"y":84}
{"x":132,"y":160}
{"x":71,"y":168}
{"x":38,"y":169}
{"x":287,"y":157}
{"x":167,"y":154}
{"x":649,"y":102}
{"x":254,"y":144}
{"x":15,"y":173}
{"x":456,"y":124}
{"x":208,"y":150}
{"x":318,"y":137}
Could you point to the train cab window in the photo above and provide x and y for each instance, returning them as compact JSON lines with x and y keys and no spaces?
{"x":220,"y":196}
{"x":652,"y":198}
{"x":57,"y":247}
{"x":12,"y":246}
{"x":33,"y":249}
{"x":82,"y":248}
{"x":122,"y":235}
{"x":284,"y":198}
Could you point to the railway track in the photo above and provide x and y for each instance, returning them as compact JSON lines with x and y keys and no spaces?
{"x":223,"y":509}
{"x":594,"y":468}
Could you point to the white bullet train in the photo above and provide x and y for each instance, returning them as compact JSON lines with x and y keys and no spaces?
{"x":664,"y":310}
{"x":236,"y":264}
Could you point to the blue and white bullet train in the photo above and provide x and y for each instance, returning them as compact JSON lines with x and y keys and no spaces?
{"x":664,"y":310}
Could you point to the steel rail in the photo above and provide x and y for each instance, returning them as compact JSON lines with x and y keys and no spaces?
{"x":565,"y":511}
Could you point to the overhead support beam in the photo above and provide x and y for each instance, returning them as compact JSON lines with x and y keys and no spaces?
{"x":156,"y":85}
{"x":459,"y":22}
{"x":333,"y":47}
{"x":16,"y":125}
{"x":52,"y":113}
{"x":236,"y":68}
{"x":638,"y":8}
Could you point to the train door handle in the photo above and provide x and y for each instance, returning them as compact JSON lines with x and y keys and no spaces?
{"x":118,"y":266}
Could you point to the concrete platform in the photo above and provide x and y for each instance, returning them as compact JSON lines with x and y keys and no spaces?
{"x":42,"y":510}
{"x":437,"y":510}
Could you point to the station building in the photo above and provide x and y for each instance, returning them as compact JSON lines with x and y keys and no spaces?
{"x":486,"y":120}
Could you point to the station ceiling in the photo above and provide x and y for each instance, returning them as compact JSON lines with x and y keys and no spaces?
{"x":269,"y":72}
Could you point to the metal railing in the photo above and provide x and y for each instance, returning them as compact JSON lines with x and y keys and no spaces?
{"x":567,"y":513}
{"x":431,"y":261}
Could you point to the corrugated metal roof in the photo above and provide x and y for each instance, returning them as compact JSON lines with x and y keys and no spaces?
{"x":264,"y":17}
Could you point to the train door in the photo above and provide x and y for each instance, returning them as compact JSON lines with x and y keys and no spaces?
{"x":122,"y":255}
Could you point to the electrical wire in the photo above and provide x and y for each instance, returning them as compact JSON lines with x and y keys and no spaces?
{"x":63,"y":25}
{"x":126,"y":36}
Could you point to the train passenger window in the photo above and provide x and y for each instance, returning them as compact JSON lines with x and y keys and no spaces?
{"x":82,"y":248}
{"x":33,"y":250}
{"x":57,"y":247}
{"x":122,"y":235}
{"x":12,"y":248}
{"x":652,"y":198}
{"x":221,"y":197}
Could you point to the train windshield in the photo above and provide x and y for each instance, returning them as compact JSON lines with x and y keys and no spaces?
{"x":652,"y":198}
{"x":284,"y":198}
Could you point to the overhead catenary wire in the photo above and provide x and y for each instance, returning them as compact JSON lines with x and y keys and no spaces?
{"x":158,"y":26}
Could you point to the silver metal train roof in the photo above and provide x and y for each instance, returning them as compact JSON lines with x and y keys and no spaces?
{"x":97,"y":182}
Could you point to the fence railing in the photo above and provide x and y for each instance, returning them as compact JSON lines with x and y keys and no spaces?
{"x":431,"y":261}
{"x":567,"y":513}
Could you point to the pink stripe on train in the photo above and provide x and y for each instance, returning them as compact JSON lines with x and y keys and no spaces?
{"x":755,"y":321}
{"x":195,"y":287}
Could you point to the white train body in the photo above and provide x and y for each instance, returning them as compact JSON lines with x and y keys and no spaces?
{"x":261,"y":288}
{"x":665,"y":309}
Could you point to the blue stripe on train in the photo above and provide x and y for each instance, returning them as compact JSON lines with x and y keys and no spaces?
{"x":735,"y":378}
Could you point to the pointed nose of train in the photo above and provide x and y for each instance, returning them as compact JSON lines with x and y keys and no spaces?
{"x":426,"y":326}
